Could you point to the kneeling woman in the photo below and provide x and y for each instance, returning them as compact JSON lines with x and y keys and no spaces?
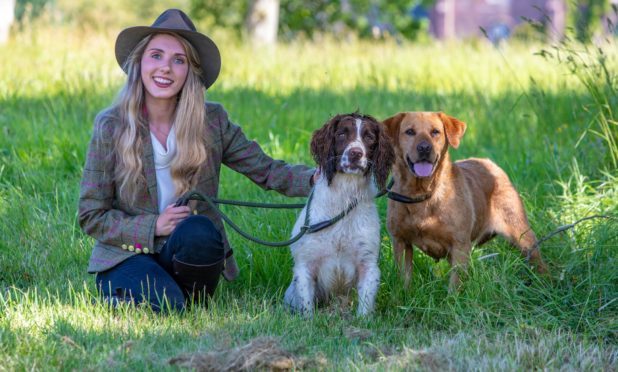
{"x":157,"y":141}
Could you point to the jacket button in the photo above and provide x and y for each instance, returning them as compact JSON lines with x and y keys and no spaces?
{"x":195,"y":211}
{"x":146,"y":250}
{"x":124,"y":246}
{"x":138,"y":250}
{"x":131,"y":248}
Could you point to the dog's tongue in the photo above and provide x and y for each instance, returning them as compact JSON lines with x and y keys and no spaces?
{"x":423,"y":169}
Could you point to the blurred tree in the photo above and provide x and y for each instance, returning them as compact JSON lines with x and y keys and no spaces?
{"x":7,"y":15}
{"x":228,"y":14}
{"x":365,"y":18}
{"x":29,"y":8}
{"x":585,"y":17}
{"x":97,"y":14}
{"x":341,"y":18}
{"x":384,"y":18}
{"x":263,"y":21}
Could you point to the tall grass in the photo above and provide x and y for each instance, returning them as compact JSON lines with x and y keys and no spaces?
{"x":525,"y":113}
{"x":592,"y":67}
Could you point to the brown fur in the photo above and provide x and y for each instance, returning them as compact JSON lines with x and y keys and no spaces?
{"x":471,"y":200}
{"x":326,"y":154}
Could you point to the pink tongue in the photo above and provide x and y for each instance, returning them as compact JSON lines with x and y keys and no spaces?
{"x":423,"y":169}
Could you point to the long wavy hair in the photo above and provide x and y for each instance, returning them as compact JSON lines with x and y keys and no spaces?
{"x":131,"y":126}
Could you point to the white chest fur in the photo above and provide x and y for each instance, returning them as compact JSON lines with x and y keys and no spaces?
{"x":342,"y":256}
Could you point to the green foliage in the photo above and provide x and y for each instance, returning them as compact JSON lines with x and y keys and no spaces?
{"x":585,"y":16}
{"x":592,"y":67}
{"x":29,"y":8}
{"x":94,"y":15}
{"x":310,"y":18}
{"x":530,"y":32}
{"x":229,"y":14}
{"x":363,"y":18}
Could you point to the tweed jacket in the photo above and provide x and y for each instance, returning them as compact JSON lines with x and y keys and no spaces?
{"x":122,"y":230}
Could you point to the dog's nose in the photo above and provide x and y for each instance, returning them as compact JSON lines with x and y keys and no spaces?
{"x":423,"y":148}
{"x":355,"y":154}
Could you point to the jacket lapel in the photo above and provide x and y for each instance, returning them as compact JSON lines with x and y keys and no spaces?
{"x":149,"y":169}
{"x":208,"y":169}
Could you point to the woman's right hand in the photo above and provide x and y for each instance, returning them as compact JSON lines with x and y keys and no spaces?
{"x":171,"y":216}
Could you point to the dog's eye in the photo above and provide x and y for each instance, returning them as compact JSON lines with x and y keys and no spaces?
{"x":410,"y":132}
{"x":341,"y":135}
{"x":435,"y":132}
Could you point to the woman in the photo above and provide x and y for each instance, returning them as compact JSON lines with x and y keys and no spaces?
{"x":156,"y":142}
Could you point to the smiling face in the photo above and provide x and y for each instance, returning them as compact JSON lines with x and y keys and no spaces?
{"x":164,"y":67}
{"x":421,"y":139}
{"x":421,"y":136}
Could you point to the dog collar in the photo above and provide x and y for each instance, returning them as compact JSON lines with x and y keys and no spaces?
{"x":402,"y":198}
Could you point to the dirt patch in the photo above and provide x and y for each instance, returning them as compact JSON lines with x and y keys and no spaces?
{"x":427,"y":360}
{"x":373,"y":353}
{"x":260,"y":353}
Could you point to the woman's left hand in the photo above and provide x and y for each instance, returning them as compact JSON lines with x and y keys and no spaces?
{"x":171,"y":216}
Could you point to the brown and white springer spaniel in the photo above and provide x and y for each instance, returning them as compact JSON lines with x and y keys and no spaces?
{"x":354,"y":156}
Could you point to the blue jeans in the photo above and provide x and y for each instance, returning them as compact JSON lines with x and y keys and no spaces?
{"x":189,"y":264}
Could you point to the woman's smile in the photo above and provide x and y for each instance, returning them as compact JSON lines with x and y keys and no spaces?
{"x":162,"y":82}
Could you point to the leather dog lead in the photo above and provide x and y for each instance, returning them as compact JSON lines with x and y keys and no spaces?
{"x":306,"y":228}
{"x":402,"y":198}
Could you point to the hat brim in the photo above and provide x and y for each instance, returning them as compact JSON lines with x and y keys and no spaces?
{"x":208,"y":53}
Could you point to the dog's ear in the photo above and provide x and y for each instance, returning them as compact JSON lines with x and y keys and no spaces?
{"x":383,"y":156}
{"x":392,"y":126}
{"x":323,"y":148}
{"x":454,"y":129}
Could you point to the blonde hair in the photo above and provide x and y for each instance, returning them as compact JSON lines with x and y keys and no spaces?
{"x":131,"y":126}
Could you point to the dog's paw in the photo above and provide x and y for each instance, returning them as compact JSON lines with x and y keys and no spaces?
{"x":294,"y":303}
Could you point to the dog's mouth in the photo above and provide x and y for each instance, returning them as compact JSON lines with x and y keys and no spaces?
{"x":420,"y":169}
{"x":353,"y":167}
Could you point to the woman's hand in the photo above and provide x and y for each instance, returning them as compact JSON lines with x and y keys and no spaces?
{"x":171,"y":216}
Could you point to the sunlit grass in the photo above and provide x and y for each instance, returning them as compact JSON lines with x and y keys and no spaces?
{"x":526,"y":113}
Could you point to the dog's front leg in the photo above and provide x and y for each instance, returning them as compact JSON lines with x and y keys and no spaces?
{"x":458,"y":257}
{"x":404,"y":256}
{"x":368,"y":283}
{"x":305,"y":288}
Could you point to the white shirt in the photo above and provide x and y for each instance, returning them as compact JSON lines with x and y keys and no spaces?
{"x":166,"y":192}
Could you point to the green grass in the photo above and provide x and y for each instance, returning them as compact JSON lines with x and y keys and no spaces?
{"x":526,"y":113}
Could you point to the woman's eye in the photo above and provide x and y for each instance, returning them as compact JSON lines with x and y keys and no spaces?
{"x":410,"y":132}
{"x":156,"y":55}
{"x":179,"y":61}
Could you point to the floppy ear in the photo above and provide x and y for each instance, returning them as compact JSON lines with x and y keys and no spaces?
{"x":392,"y":126}
{"x":454,"y":129}
{"x":383,"y":156}
{"x":323,"y":148}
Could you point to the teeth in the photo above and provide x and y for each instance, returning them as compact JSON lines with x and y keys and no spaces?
{"x":162,"y":80}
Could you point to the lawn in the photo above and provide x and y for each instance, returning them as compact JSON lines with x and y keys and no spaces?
{"x":532,"y":115}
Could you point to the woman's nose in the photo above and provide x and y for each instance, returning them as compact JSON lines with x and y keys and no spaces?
{"x":166,"y":65}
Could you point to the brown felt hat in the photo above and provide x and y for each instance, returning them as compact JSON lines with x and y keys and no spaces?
{"x":176,"y":21}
